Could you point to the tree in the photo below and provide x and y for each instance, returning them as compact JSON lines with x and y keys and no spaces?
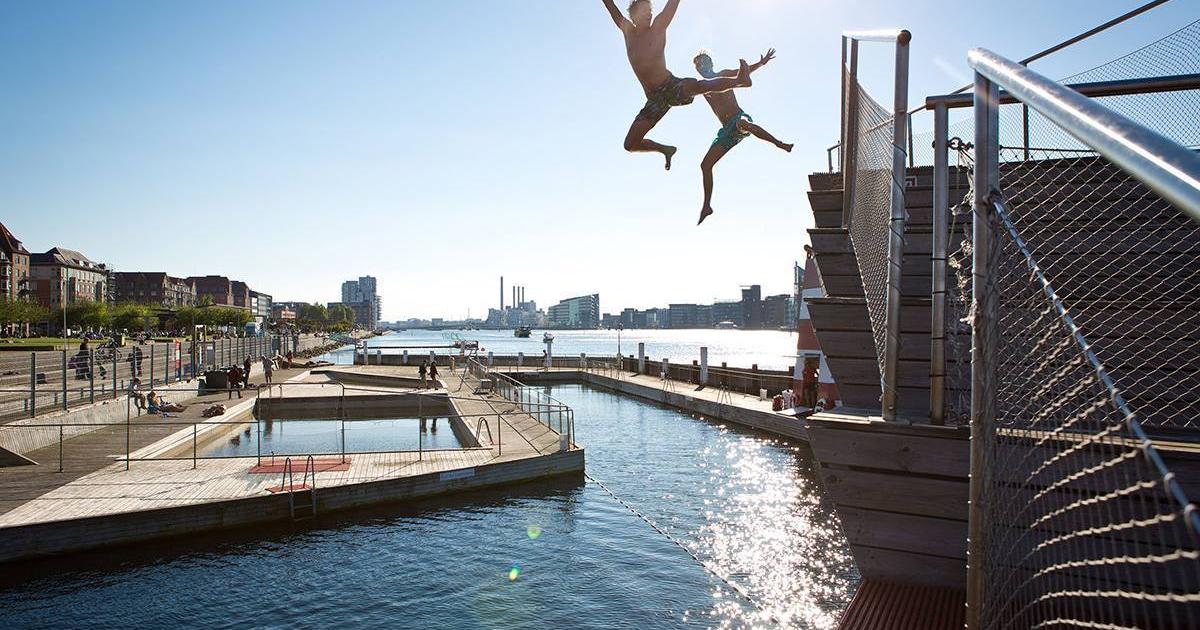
{"x":130,"y":315}
{"x":314,"y":313}
{"x":86,"y":314}
{"x":341,"y":313}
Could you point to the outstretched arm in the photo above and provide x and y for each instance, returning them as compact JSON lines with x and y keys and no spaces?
{"x":762,"y":61}
{"x":619,"y":18}
{"x":666,"y":15}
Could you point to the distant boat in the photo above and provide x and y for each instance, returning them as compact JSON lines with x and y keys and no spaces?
{"x":523,"y":332}
{"x":726,"y":325}
{"x":547,"y":337}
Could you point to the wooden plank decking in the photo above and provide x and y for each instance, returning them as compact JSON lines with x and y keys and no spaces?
{"x":208,"y":493}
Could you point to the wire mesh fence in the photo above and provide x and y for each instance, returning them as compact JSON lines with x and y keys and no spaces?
{"x":1087,"y":387}
{"x":1086,"y":527}
{"x":870,"y":219}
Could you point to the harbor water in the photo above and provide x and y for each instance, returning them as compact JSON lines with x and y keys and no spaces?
{"x":769,"y":349}
{"x":696,"y":525}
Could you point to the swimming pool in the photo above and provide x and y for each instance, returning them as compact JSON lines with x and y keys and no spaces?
{"x":553,"y":555}
{"x":323,"y":436}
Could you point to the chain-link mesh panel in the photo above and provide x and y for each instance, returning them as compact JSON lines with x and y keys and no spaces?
{"x":957,"y":313}
{"x":1083,"y":526}
{"x":870,"y":221}
{"x":1094,"y":347}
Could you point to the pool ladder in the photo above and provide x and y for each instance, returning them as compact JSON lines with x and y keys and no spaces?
{"x":289,"y":481}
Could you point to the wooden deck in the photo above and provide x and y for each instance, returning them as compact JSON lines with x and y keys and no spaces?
{"x":97,"y":501}
{"x":711,"y":402}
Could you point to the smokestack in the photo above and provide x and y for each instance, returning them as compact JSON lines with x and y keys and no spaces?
{"x":522,"y":294}
{"x":514,"y":292}
{"x":501,"y":294}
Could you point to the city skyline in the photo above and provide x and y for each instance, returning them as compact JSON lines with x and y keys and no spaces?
{"x":285,"y":148}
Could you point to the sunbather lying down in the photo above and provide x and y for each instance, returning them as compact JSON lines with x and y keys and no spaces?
{"x":156,"y":405}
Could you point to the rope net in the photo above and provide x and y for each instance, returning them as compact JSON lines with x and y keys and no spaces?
{"x":871,"y":209}
{"x":1095,"y":351}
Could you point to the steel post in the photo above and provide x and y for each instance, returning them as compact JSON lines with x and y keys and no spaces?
{"x":983,"y":337}
{"x":941,"y":237}
{"x":91,"y":376}
{"x":32,"y":384}
{"x":152,"y":366}
{"x":64,"y":379}
{"x":850,"y":147}
{"x":899,"y":215}
{"x":114,"y":373}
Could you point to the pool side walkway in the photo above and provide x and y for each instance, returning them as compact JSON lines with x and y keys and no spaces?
{"x":711,"y":402}
{"x":111,"y":505}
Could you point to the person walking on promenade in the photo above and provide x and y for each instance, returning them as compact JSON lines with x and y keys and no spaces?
{"x":645,"y":45}
{"x":421,"y":371}
{"x":736,"y":124}
{"x":235,"y":380}
{"x":268,"y":368}
{"x":246,"y":370}
{"x":433,"y":382}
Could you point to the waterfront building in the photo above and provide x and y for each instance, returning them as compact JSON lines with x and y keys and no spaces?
{"x":261,"y":306}
{"x":218,"y":289}
{"x":576,"y":312}
{"x":776,"y":310}
{"x":727,"y":311}
{"x":690,"y":316}
{"x":14,"y":266}
{"x":283,"y":313}
{"x":241,"y":294}
{"x":365,"y":289}
{"x":752,"y":315}
{"x":152,"y":287}
{"x":62,"y":274}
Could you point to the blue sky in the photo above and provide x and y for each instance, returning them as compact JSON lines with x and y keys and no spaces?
{"x":440,"y":144}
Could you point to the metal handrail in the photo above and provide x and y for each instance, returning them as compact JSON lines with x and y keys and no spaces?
{"x":898,"y":214}
{"x":1169,"y":169}
{"x":1167,"y":83}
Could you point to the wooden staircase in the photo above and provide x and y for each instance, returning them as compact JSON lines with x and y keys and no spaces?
{"x":841,"y":321}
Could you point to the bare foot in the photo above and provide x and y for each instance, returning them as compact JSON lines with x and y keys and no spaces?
{"x":704,"y":214}
{"x":669,"y":153}
{"x":743,"y":75}
{"x":786,"y":147}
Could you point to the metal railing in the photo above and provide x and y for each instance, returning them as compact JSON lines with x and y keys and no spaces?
{"x":1086,"y":299}
{"x":541,"y":406}
{"x":944,"y":209}
{"x":180,"y":439}
{"x":49,"y":381}
{"x":874,"y":160}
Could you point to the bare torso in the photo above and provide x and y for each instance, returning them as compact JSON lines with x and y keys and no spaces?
{"x":724,"y":105}
{"x":646,"y":48}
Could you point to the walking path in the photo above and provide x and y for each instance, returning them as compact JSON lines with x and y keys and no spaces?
{"x":96,"y":483}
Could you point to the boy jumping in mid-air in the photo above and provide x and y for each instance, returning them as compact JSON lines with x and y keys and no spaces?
{"x":645,"y":44}
{"x":736,"y":124}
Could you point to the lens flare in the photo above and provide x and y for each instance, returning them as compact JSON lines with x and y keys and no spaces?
{"x":533,"y":531}
{"x":514,"y":573}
